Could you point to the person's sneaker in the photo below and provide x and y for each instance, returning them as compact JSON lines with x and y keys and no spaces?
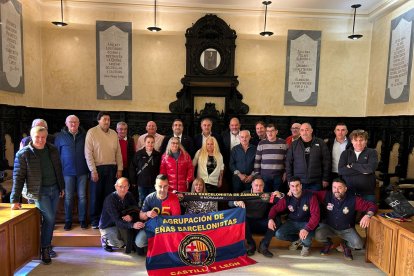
{"x":305,"y":251}
{"x":52,"y":252}
{"x":326,"y":248}
{"x":339,"y":248}
{"x":263,"y":250}
{"x":95,"y":226}
{"x":347,"y":253}
{"x":84,"y":225}
{"x":295,"y":245}
{"x":68,"y":226}
{"x":251,"y":251}
{"x":45,"y":256}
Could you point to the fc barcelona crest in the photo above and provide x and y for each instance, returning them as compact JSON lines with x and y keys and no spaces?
{"x":345,"y":210}
{"x":197,"y":250}
{"x":305,"y":207}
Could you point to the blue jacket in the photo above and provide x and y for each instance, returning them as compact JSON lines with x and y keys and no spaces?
{"x":242,"y":161}
{"x":72,"y":152}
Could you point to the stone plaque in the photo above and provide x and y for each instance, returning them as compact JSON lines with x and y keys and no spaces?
{"x":400,"y":57}
{"x":11,"y":56}
{"x":302,"y":67}
{"x":114,"y":54}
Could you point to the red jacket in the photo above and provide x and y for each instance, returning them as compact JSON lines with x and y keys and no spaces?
{"x":180,"y":172}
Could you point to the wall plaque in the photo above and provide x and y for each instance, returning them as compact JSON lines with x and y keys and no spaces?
{"x":11,"y":56}
{"x":113,"y":60}
{"x":302,"y":67}
{"x":400,"y":57}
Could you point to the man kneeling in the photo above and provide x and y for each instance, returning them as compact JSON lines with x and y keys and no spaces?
{"x":303,"y":217}
{"x":115,"y":225}
{"x":340,"y":207}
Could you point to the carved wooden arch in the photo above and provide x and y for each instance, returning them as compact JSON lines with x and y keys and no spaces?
{"x":210,"y":32}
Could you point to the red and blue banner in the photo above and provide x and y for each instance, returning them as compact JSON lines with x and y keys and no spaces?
{"x":196,"y":244}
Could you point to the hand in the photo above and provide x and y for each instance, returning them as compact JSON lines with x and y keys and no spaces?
{"x":284,"y":177}
{"x":277,"y":194}
{"x":16,"y":206}
{"x":364,"y":222}
{"x":151,"y":214}
{"x":239,"y":204}
{"x":248,"y":179}
{"x":95,"y":176}
{"x":242,"y":177}
{"x":62,"y":194}
{"x":271,"y":225}
{"x":138,"y":225}
{"x":127,"y":218}
{"x":303,"y":234}
{"x":118,"y":174}
{"x":325,"y":184}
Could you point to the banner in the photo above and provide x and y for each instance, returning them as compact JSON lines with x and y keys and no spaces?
{"x":194,"y":244}
{"x":187,"y":196}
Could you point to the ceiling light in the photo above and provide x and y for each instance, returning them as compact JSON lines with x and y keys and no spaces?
{"x":353,"y":35}
{"x":264,"y":33}
{"x":154,"y":28}
{"x":60,"y":23}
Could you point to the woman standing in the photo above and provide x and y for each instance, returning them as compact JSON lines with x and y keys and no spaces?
{"x":210,"y":166}
{"x":144,"y":168}
{"x":197,"y":207}
{"x":176,"y":164}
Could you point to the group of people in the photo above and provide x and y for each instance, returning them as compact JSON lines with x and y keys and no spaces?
{"x":147,"y":172}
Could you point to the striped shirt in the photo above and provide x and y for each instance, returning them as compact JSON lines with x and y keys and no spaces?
{"x":270,"y":157}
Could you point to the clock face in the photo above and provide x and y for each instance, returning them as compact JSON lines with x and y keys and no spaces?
{"x":210,"y":59}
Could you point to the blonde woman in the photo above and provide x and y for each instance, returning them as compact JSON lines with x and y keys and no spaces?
{"x":210,"y":166}
{"x":176,"y":165}
{"x":197,"y":207}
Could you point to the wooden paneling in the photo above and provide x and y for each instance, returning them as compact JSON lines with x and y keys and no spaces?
{"x":4,"y":250}
{"x":405,"y":253}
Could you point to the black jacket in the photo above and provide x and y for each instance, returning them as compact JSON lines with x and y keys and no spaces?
{"x":27,"y":173}
{"x":144,"y":176}
{"x":319,"y":167}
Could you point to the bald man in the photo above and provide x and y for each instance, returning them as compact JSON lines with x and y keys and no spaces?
{"x":295,"y":130}
{"x":152,"y":130}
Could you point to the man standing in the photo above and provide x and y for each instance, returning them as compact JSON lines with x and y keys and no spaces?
{"x":127,"y":145}
{"x":152,"y":130}
{"x":115,"y":224}
{"x":309,"y":159}
{"x":160,"y":202}
{"x":38,"y":174}
{"x":270,"y":159}
{"x":357,"y":166}
{"x":242,"y":163}
{"x":303,"y":217}
{"x":295,"y":129}
{"x":260,"y":133}
{"x":185,"y":140}
{"x":338,"y":145}
{"x":230,"y":138}
{"x":340,"y":207}
{"x":104,"y":159}
{"x":206,"y":126}
{"x":70,"y":143}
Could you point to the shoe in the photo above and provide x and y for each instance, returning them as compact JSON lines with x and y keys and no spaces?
{"x":339,"y":248}
{"x":141,"y":251}
{"x":326,"y":248}
{"x":295,"y":245}
{"x":263,"y":250}
{"x":347,"y":253}
{"x":68,"y":226}
{"x":305,"y":251}
{"x":52,"y":252}
{"x":45,"y":256}
{"x":106,"y":246}
{"x":251,"y":251}
{"x":95,"y":226}
{"x":84,"y":225}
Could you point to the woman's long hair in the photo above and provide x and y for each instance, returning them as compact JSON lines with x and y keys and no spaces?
{"x":204,"y":153}
{"x":197,"y":180}
{"x":180,"y":147}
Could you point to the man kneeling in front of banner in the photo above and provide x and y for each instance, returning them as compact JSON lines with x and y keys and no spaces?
{"x":115,"y":224}
{"x":160,"y":202}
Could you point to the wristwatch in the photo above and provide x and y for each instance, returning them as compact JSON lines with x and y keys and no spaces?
{"x":370,"y":215}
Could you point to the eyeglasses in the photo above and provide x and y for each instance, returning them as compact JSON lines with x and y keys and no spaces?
{"x":122,"y":187}
{"x":293,"y":128}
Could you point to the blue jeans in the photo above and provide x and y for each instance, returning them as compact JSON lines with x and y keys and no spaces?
{"x":143,"y":192}
{"x":78,"y":184}
{"x":99,"y":190}
{"x":47,"y":205}
{"x":272,"y":183}
{"x":325,"y":232}
{"x":289,"y":231}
